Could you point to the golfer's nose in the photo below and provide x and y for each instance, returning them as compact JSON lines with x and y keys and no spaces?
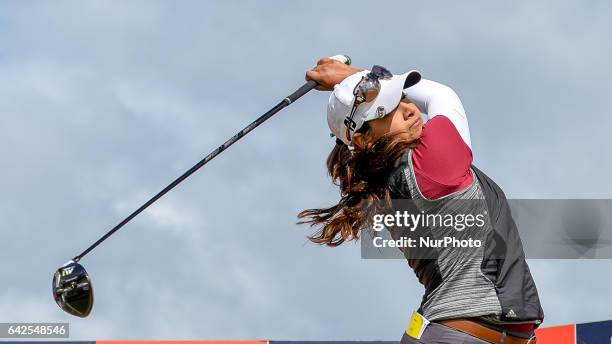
{"x":408,"y":114}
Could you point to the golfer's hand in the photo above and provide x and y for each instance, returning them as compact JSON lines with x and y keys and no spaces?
{"x":329,"y":72}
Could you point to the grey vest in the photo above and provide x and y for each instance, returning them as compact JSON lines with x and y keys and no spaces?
{"x":492,"y":282}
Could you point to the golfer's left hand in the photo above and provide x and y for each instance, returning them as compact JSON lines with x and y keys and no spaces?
{"x":329,"y":72}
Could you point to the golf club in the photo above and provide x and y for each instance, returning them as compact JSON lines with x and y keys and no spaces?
{"x":72,"y":289}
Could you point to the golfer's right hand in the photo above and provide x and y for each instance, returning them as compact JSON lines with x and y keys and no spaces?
{"x":329,"y":72}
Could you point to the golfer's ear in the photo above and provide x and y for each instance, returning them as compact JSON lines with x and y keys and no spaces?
{"x":359,"y":140}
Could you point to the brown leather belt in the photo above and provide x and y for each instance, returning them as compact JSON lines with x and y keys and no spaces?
{"x":480,"y":331}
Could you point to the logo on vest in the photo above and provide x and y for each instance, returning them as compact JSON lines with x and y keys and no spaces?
{"x":511,"y":314}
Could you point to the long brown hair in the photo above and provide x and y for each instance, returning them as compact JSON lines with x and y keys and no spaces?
{"x":362,"y":177}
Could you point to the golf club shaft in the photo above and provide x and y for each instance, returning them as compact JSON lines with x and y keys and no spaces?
{"x":308,"y":86}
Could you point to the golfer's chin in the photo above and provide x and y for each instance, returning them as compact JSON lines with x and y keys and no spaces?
{"x":413,"y":130}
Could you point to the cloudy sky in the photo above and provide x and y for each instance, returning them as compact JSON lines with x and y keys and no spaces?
{"x":102,"y":103}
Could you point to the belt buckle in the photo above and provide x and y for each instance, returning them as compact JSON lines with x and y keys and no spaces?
{"x":416,"y":325}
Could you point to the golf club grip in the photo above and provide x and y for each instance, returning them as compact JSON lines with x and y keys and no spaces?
{"x":308,"y":86}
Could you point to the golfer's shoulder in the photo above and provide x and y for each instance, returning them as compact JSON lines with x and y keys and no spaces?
{"x":441,"y":141}
{"x":442,"y":159}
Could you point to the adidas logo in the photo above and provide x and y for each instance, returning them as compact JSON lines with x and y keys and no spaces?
{"x":511,"y":314}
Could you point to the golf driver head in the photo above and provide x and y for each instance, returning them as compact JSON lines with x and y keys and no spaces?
{"x":72,"y":289}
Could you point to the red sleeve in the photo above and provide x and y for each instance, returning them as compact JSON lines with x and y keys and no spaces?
{"x":442,"y":160}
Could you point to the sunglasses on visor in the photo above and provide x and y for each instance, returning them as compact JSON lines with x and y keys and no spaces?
{"x":366,"y":90}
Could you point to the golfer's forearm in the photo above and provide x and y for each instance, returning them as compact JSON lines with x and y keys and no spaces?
{"x":435,"y":99}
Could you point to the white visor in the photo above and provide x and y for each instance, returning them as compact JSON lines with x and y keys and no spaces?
{"x":341,"y":101}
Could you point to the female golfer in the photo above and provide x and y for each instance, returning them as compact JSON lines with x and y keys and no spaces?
{"x":385,"y":151}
